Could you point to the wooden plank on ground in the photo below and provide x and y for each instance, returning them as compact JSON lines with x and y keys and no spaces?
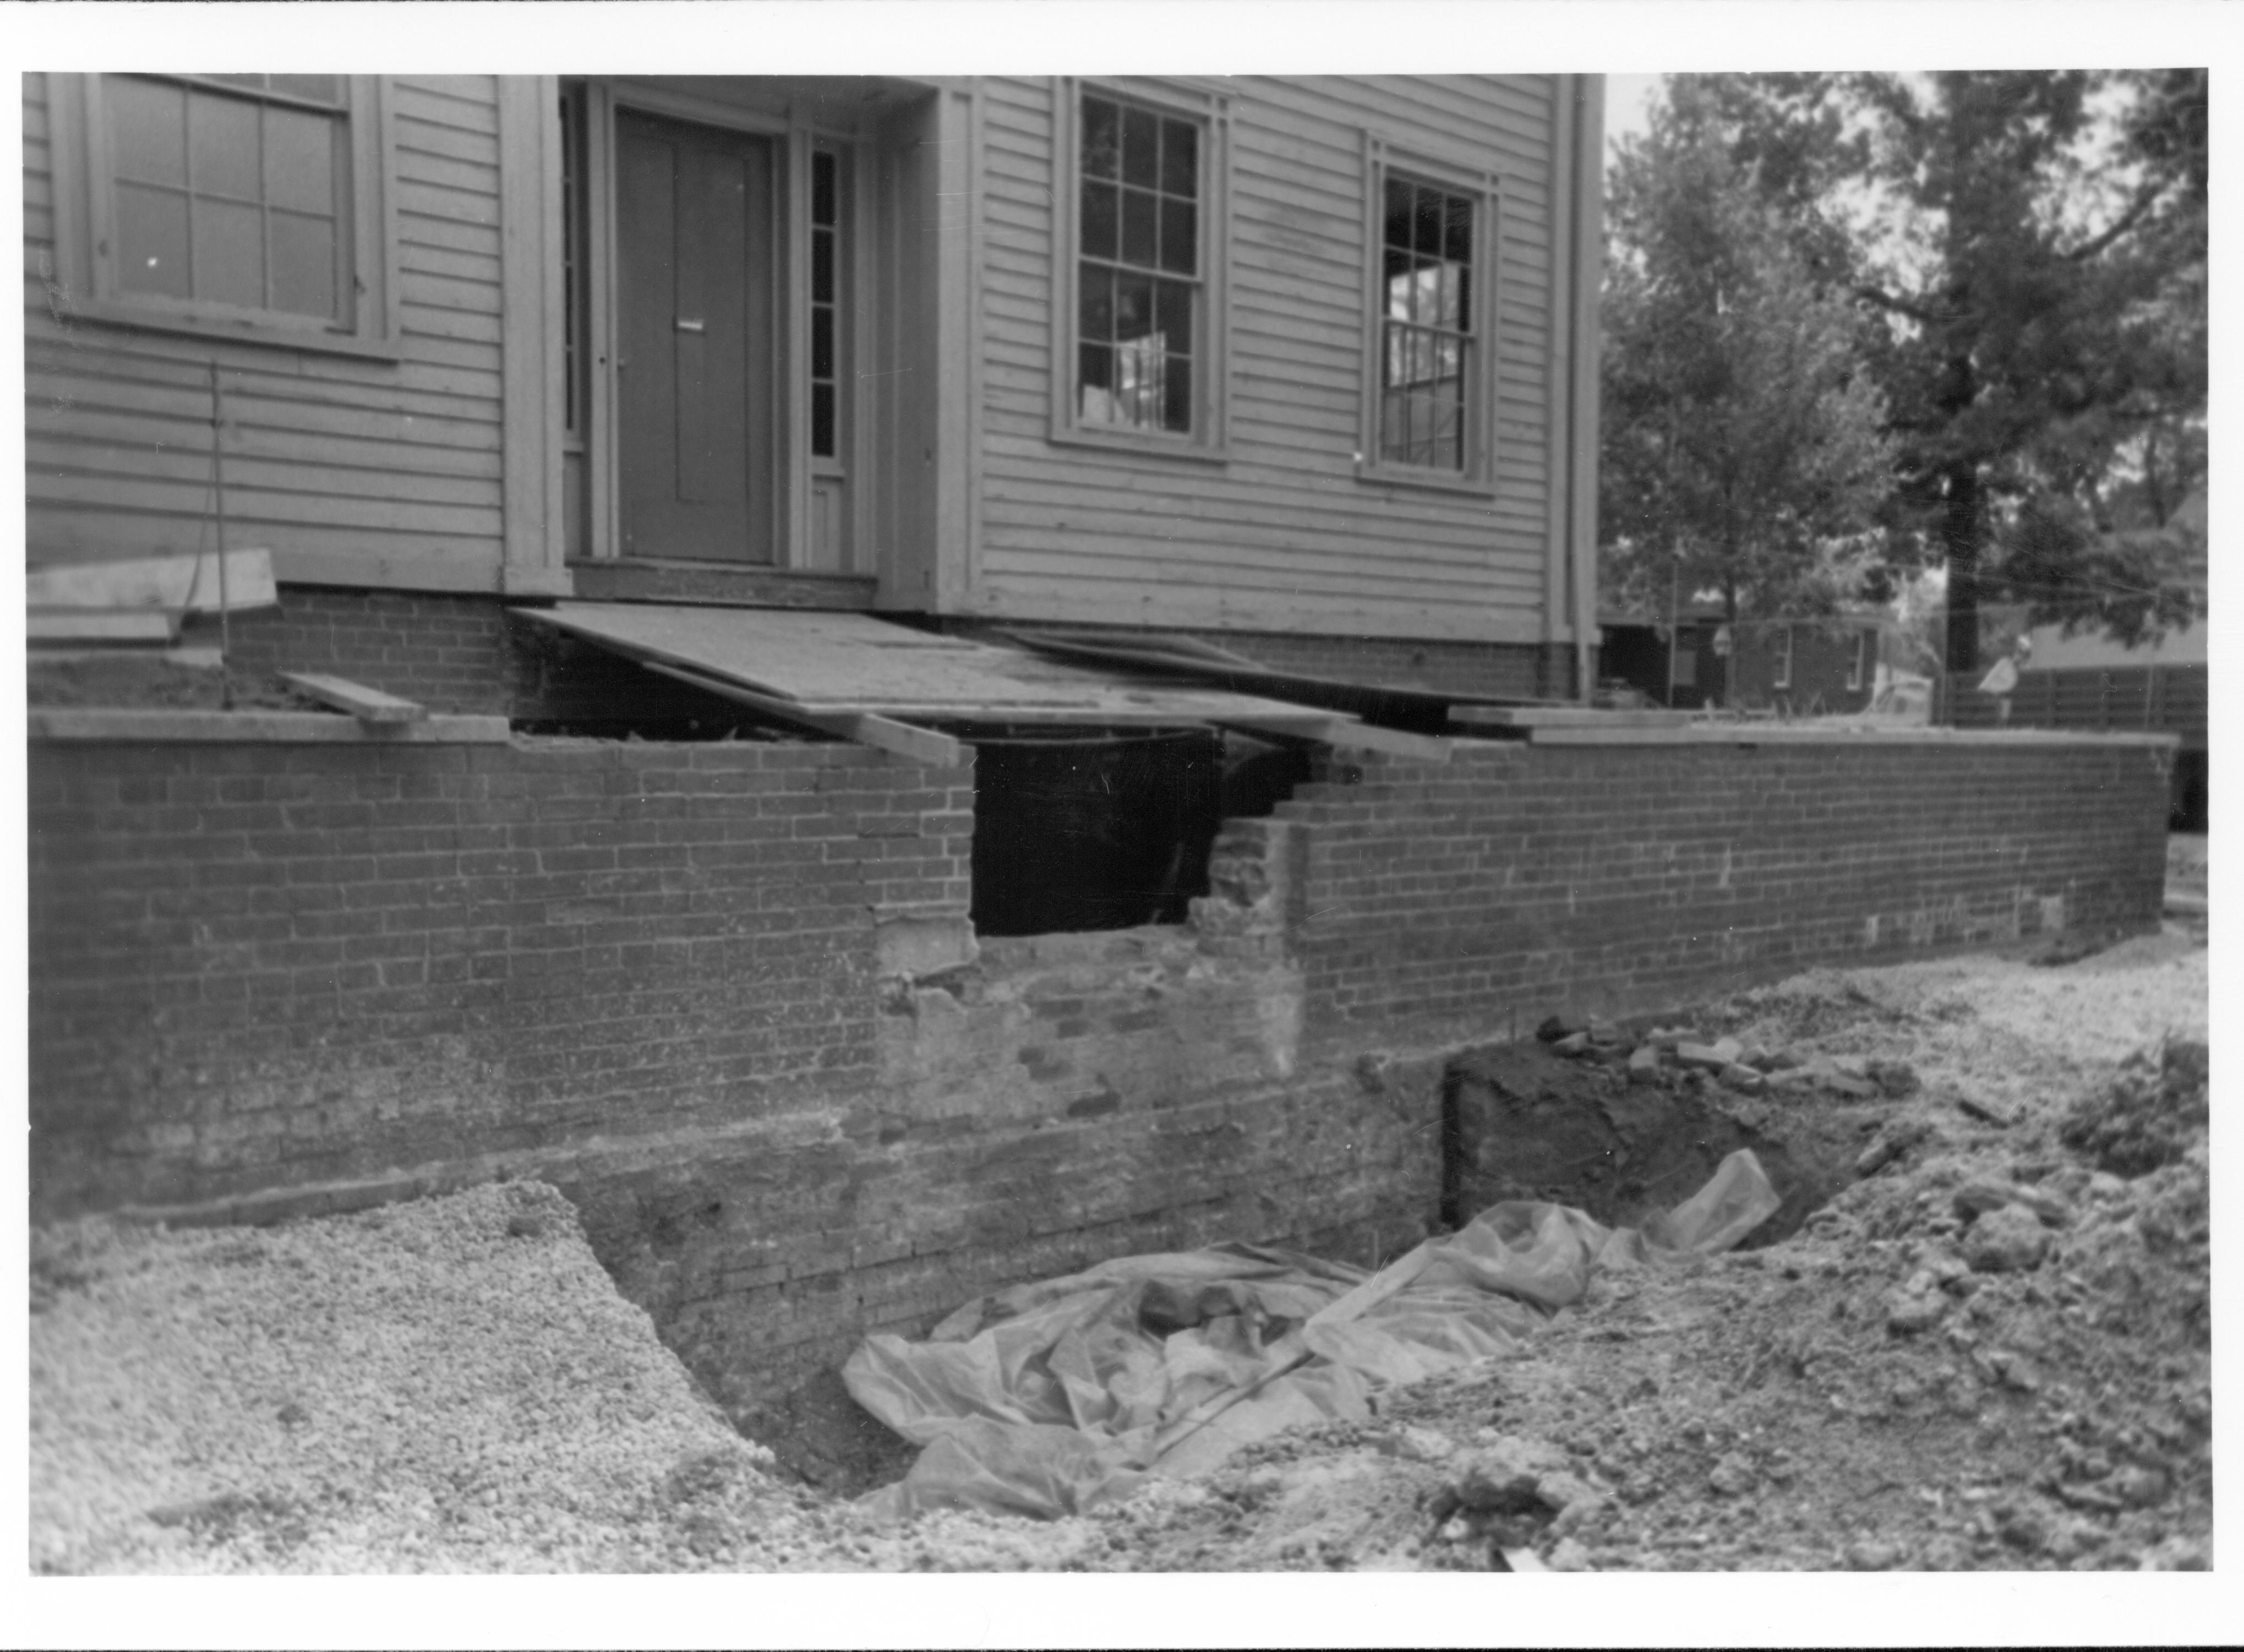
{"x":920,"y":745}
{"x":182,"y":584}
{"x":368,"y":705}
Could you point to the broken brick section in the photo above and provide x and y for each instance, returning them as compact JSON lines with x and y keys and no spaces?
{"x":726,"y":995}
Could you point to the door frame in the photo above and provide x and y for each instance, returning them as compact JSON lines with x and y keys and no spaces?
{"x":794,"y":137}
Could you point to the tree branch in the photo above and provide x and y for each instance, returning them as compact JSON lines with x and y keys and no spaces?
{"x":2147,"y":198}
{"x":1899,"y":306}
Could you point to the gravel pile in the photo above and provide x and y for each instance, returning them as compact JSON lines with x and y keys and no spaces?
{"x":450,"y":1385}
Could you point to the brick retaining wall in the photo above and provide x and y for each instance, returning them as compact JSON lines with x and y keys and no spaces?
{"x":726,"y":994}
{"x":1631,"y":876}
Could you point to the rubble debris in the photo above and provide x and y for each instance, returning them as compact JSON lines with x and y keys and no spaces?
{"x":2155,"y":1107}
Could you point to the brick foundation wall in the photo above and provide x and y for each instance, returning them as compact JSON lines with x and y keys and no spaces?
{"x":1631,"y":877}
{"x":724,"y":993}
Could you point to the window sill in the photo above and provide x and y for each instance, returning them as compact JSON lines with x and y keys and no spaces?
{"x":1159,"y":447}
{"x":1395,"y":475}
{"x":110,"y":313}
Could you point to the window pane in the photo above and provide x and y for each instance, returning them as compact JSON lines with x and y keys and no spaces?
{"x":1176,"y":394}
{"x":1142,"y":144}
{"x":1426,"y":222}
{"x":1097,"y":303}
{"x":821,"y":268}
{"x":229,"y":253}
{"x":1173,"y":315}
{"x":821,"y":342}
{"x":1137,"y":246}
{"x":1181,"y":159}
{"x":1398,"y":284}
{"x":320,"y":88}
{"x":152,"y":241}
{"x":1134,"y":306}
{"x":222,"y":147}
{"x":1100,"y":236}
{"x":1094,"y":381}
{"x":1449,"y":296}
{"x":150,"y":125}
{"x":822,"y":208}
{"x":303,"y":264}
{"x":1102,"y":139}
{"x":1457,"y":229}
{"x":1398,"y":213}
{"x":1464,"y":300}
{"x":300,"y":161}
{"x":1393,"y":365}
{"x":1180,"y":236}
{"x":822,"y":420}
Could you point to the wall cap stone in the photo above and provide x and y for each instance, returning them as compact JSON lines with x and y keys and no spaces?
{"x":301,"y":727}
{"x":1794,"y":735}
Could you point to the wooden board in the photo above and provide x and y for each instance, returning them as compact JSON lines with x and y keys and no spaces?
{"x":885,"y":733}
{"x":849,"y":662}
{"x":368,"y":705}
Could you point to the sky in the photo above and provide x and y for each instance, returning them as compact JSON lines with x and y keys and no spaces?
{"x":1627,"y":98}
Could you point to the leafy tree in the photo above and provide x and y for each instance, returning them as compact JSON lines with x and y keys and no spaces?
{"x":2036,"y":243}
{"x":1743,"y":449}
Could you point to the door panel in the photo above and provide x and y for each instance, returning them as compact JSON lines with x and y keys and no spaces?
{"x":694,"y":265}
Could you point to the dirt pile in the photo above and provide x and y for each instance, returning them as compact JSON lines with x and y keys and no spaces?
{"x":1988,"y":1353}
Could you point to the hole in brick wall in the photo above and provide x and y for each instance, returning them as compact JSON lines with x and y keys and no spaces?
{"x":1078,"y":829}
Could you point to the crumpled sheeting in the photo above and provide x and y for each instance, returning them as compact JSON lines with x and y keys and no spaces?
{"x":1054,"y":1397}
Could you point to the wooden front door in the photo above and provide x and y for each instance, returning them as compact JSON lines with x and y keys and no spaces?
{"x":695,"y":257}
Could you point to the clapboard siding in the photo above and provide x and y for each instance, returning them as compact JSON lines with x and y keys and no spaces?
{"x":334,"y":455}
{"x":1283,"y":529}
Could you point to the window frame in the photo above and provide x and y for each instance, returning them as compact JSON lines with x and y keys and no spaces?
{"x":1484,"y":188}
{"x":85,"y":226}
{"x":1209,"y":441}
{"x":1858,"y":671}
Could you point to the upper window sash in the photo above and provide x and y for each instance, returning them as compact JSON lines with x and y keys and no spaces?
{"x":277,"y":200}
{"x":1432,"y":229}
{"x":1140,"y":255}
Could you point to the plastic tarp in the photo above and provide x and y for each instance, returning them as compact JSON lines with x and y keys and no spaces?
{"x":1053,"y":1397}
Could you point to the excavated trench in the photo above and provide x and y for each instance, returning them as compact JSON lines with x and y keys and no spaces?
{"x":1518,"y":1120}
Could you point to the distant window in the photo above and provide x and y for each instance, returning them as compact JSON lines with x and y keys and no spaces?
{"x":1858,"y":667}
{"x":1781,"y":657}
{"x":1139,"y":330}
{"x":1428,"y":413}
{"x":224,"y":203}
